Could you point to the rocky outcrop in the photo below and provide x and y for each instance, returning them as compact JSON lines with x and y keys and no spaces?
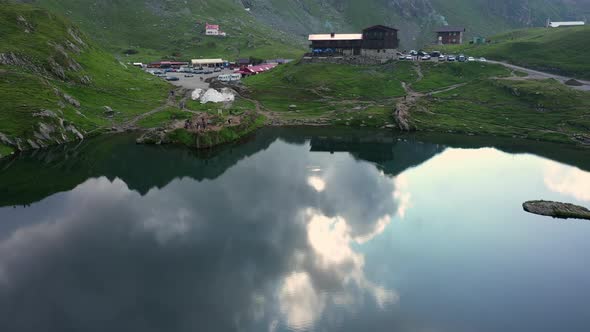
{"x":108,"y":111}
{"x":154,"y":136}
{"x":50,"y":129}
{"x":557,"y":210}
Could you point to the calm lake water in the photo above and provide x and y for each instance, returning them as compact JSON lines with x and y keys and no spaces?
{"x":294,"y":230}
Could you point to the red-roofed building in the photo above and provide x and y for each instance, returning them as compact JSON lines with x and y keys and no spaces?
{"x":255,"y":70}
{"x":213,"y":30}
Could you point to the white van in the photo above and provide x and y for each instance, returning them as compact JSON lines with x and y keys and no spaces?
{"x":229,"y":77}
{"x":224,"y":77}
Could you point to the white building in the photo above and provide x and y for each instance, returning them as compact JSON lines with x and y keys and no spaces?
{"x":207,"y":62}
{"x":565,"y":24}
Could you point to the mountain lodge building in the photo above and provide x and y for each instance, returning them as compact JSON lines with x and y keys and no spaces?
{"x":376,"y":41}
{"x":450,"y":35}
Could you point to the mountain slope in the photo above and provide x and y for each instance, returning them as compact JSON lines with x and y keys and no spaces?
{"x":55,"y":83}
{"x":415,"y":18}
{"x":561,"y":51}
{"x":157,"y":27}
{"x":165,"y":28}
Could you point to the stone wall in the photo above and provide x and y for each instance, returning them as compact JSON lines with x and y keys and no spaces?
{"x":380,"y":54}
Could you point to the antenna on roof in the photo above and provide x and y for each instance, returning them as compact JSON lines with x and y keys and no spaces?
{"x":332,"y":34}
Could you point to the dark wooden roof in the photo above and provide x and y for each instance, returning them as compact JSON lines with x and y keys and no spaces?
{"x":450,"y":29}
{"x":379,"y":26}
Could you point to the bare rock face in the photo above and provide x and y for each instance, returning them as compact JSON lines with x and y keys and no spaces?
{"x":154,"y":136}
{"x":27,"y":27}
{"x":557,"y":210}
{"x":108,"y":111}
{"x":71,"y":100}
{"x":11,"y":59}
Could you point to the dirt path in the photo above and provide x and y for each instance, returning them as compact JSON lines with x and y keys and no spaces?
{"x":410,"y":100}
{"x":536,"y":75}
{"x":170,"y":102}
{"x":407,"y":102}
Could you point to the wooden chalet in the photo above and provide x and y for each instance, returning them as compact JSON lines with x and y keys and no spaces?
{"x":450,"y":35}
{"x":375,"y":41}
{"x":380,"y":37}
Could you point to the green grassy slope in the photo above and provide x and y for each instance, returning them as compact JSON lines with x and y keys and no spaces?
{"x":55,"y":83}
{"x":331,"y":90}
{"x":278,"y":28}
{"x":542,"y":110}
{"x":416,"y":19}
{"x":562,"y":51}
{"x":166,"y":28}
{"x":483,"y":99}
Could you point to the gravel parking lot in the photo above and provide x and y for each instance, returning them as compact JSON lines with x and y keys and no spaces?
{"x":195,"y":82}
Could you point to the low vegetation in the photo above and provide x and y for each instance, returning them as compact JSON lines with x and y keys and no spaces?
{"x":543,"y":110}
{"x":143,"y":31}
{"x":336,"y":91}
{"x":471,"y":98}
{"x":561,"y":51}
{"x":216,"y":134}
{"x":56,"y":85}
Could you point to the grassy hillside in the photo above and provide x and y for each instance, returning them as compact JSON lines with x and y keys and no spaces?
{"x":472,"y":98}
{"x":278,"y":28}
{"x":55,"y":83}
{"x":562,"y":51}
{"x":331,"y":91}
{"x":176,"y":28}
{"x":416,"y":19}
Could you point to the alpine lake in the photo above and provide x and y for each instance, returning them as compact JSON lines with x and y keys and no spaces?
{"x":294,"y":229}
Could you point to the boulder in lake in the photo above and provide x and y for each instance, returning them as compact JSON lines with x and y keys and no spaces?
{"x":557,"y":210}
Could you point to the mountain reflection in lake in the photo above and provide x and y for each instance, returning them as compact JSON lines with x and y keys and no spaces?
{"x":293,"y":230}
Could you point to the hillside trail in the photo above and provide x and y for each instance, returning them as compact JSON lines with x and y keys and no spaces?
{"x":170,"y":102}
{"x":410,"y":100}
{"x":536,"y":75}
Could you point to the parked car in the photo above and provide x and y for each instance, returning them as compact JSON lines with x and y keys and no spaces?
{"x":435,"y":54}
{"x":413,"y":52}
{"x":471,"y":59}
{"x":451,"y":58}
{"x":425,"y":57}
{"x":172,"y":78}
{"x":483,"y":60}
{"x":441,"y":57}
{"x":189,"y":75}
{"x":208,"y":72}
{"x":217,"y":70}
{"x":461,"y":58}
{"x":409,"y":57}
{"x":401,"y":57}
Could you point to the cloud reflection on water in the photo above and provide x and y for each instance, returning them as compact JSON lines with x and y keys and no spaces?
{"x":567,"y":180}
{"x":262,"y":243}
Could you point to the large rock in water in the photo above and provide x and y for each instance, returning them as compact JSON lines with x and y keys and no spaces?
{"x":557,"y":210}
